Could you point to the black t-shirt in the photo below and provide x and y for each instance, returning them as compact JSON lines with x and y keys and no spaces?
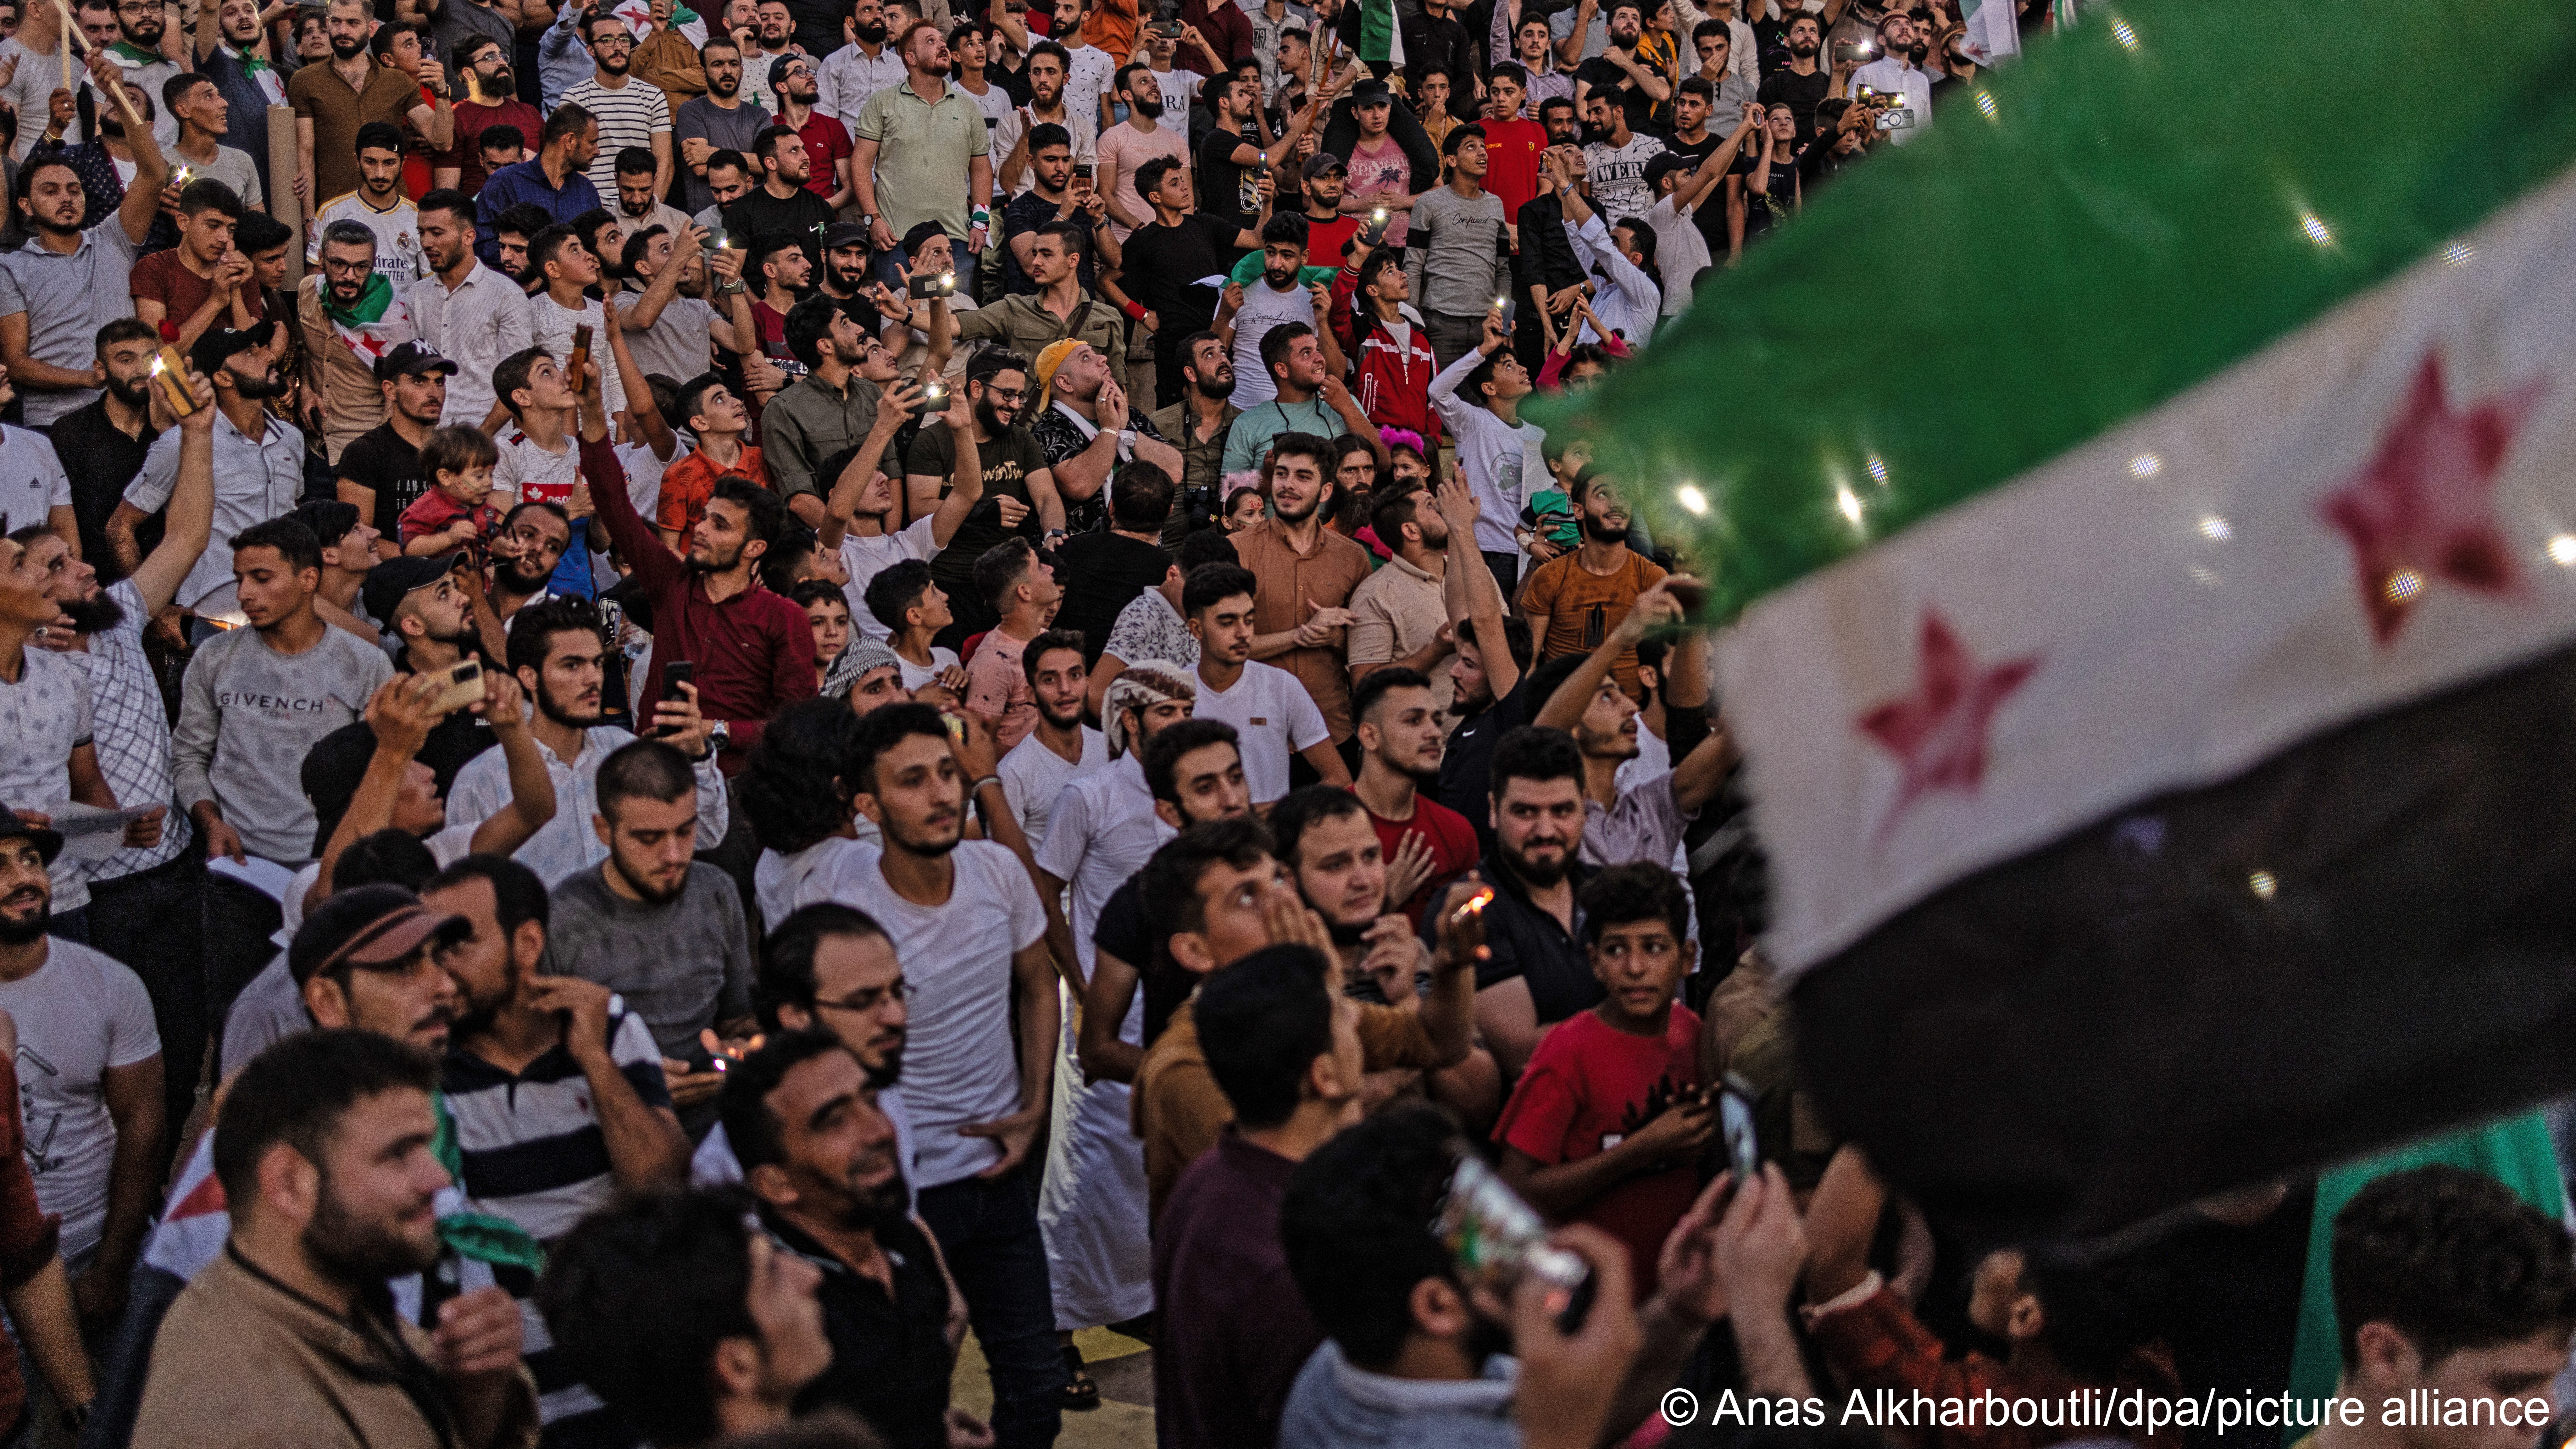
{"x":1466,"y":767}
{"x":1710,"y":218}
{"x":1803,"y":93}
{"x":1524,"y":941}
{"x":1770,"y":37}
{"x":381,"y":460}
{"x":1603,"y":74}
{"x":1220,"y":184}
{"x":1765,"y":210}
{"x":1007,"y":462}
{"x":1124,"y":933}
{"x":1163,"y":265}
{"x":889,"y":1351}
{"x":1102,"y":574}
{"x":2230,"y":1309}
{"x":758,"y":213}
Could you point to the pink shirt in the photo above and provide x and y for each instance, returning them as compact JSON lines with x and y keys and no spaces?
{"x":1385,"y":170}
{"x":997,"y":688}
{"x":1124,"y":147}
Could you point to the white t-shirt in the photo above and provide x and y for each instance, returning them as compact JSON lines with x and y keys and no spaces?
{"x":397,"y":230}
{"x":865,"y":558}
{"x":1274,"y":717}
{"x":1104,"y":830}
{"x":917,"y":675}
{"x":960,"y":1067}
{"x":32,"y":481}
{"x":43,"y":718}
{"x":551,"y":324}
{"x":1501,"y":460}
{"x":1263,"y":309}
{"x":1180,"y":88}
{"x":1032,"y":774}
{"x":79,"y":1014}
{"x":1680,"y":252}
{"x":827,"y":870}
{"x":644,"y":471}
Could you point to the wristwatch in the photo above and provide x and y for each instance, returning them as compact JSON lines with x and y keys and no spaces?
{"x":719,"y":735}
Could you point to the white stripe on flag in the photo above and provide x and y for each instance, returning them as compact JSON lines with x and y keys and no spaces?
{"x":2179,"y":599}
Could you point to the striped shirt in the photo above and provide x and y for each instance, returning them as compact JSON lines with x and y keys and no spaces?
{"x":533,"y":1153}
{"x":628,"y":116}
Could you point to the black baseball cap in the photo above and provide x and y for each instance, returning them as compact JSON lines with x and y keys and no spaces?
{"x":844,"y":234}
{"x":221,"y":344}
{"x":388,"y":581}
{"x":410,"y":360}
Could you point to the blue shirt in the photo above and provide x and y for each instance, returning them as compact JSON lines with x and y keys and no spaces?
{"x":562,"y":60}
{"x":526,"y":181}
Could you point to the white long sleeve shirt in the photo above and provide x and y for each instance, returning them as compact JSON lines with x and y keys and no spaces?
{"x":1630,"y":304}
{"x":1494,"y":455}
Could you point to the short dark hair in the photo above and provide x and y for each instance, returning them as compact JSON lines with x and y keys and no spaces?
{"x":1209,"y":585}
{"x":895,"y":589}
{"x":1207,"y":546}
{"x":534,"y":627}
{"x":1366,"y":695}
{"x":513,"y":372}
{"x":503,"y":137}
{"x":764,"y":512}
{"x":450,"y":200}
{"x":295,"y":1094}
{"x":643,"y":770}
{"x":1170,"y":880}
{"x":1303,"y":810}
{"x":726,"y":158}
{"x":792,"y":792}
{"x":1460,"y":135}
{"x":2452,"y":1260}
{"x":207,"y":194}
{"x":881,"y":731}
{"x":1510,"y":70}
{"x":1313,"y":446}
{"x":1532,"y":752}
{"x":1516,"y":637}
{"x":1000,"y":568}
{"x":1161,"y":757}
{"x":287,"y":534}
{"x":808,"y":322}
{"x":1711,"y":28}
{"x":752,"y":1130}
{"x":1048,"y":643}
{"x":639,"y":1295}
{"x":1276,"y":342}
{"x":779,"y":565}
{"x":1262,"y":1022}
{"x":385,"y":857}
{"x":634,"y":161}
{"x":787,"y":953}
{"x":1389,"y":512}
{"x":1356,"y":1223}
{"x":1149,"y":176}
{"x":1048,"y":133}
{"x":380,"y":136}
{"x":568,"y":119}
{"x":518,"y":893}
{"x":764,"y":147}
{"x":1140,"y":496}
{"x":1624,"y":895}
{"x":1285,"y":229}
{"x":329,"y":518}
{"x":638,"y":244}
{"x":179,"y":85}
{"x":1554,"y":103}
{"x":260,"y":232}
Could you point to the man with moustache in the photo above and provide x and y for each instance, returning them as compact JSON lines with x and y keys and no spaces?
{"x":204,"y":118}
{"x":555,"y":1091}
{"x":1126,"y":147}
{"x":1015,"y":138}
{"x":853,"y":65}
{"x":325,"y":1150}
{"x":1018,"y":490}
{"x":720,"y":120}
{"x":1196,"y":423}
{"x":844,"y":276}
{"x":558,"y":653}
{"x":489,"y":100}
{"x":1306,"y":572}
{"x":232,"y":53}
{"x":780,"y":205}
{"x":347,"y":314}
{"x":826,"y":139}
{"x":380,"y":473}
{"x":825,"y":1163}
{"x":333,"y":100}
{"x":138,"y":50}
{"x":258,"y":468}
{"x":469,"y":314}
{"x":1087,"y":430}
{"x":1425,"y":843}
{"x":103,"y":445}
{"x":920,"y":153}
{"x":525,"y":550}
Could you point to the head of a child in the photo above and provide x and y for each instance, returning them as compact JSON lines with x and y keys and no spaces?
{"x":459,"y":462}
{"x":1567,"y":457}
{"x":1636,"y":931}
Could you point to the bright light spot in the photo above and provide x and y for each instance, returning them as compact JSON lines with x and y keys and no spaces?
{"x":1986,"y":104}
{"x":1691,"y":499}
{"x":2459,"y":254}
{"x":1849,"y":502}
{"x":2562,"y":550}
{"x":2265,"y":887}
{"x":2201,"y":575}
{"x":2215,"y":528}
{"x":2146,"y":465}
{"x":2316,"y":228}
{"x":1878,"y":470}
{"x":2403,"y":585}
{"x":2127,"y":37}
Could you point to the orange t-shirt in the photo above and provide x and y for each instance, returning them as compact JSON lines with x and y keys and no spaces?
{"x":690,"y":482}
{"x":1583,"y":607}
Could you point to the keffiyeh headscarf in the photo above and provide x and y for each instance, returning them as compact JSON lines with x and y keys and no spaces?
{"x":1143,"y":684}
{"x":863,"y":655}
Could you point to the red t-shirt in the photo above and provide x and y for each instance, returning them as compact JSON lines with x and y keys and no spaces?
{"x":1585,"y":1089}
{"x":1451,"y":838}
{"x":1325,"y":239}
{"x":433,"y":511}
{"x":826,"y":142}
{"x":163,"y":278}
{"x":1511,"y":162}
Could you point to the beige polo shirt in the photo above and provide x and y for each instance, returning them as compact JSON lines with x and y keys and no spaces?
{"x":1289,"y":581}
{"x":1399,"y":611}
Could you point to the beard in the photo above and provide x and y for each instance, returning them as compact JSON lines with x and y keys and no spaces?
{"x":29,"y":929}
{"x":1530,"y":872}
{"x":1601,"y":530}
{"x":352,"y":1251}
{"x":547,"y":706}
{"x":1802,"y":48}
{"x":134,"y":393}
{"x":927,"y":848}
{"x":842,"y":280}
{"x":1064,"y":721}
{"x":651,"y":895}
{"x":878,"y":1209}
{"x":1344,"y":934}
{"x":937,"y":68}
{"x":714,"y":565}
{"x":1148,"y":104}
{"x":348,"y":50}
{"x":1219,"y":386}
{"x":1279,"y":281}
{"x":873,"y":33}
{"x":616,"y":65}
{"x":991,"y":423}
{"x":95,"y":615}
{"x":724,"y":87}
{"x":518,"y":576}
{"x":267,"y":385}
{"x":1280,"y":510}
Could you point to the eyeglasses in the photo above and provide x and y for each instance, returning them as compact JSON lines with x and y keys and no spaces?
{"x":612,"y":42}
{"x":339,"y":268}
{"x":872,"y":998}
{"x":1006,"y":394}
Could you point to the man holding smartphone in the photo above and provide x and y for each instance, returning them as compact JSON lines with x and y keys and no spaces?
{"x":1898,"y":72}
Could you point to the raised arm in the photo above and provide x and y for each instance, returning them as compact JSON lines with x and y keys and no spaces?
{"x":532,"y":786}
{"x":1468,"y":589}
{"x":191,"y":515}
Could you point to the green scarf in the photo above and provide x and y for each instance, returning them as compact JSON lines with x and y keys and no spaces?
{"x":249,"y":58}
{"x":476,"y":1235}
{"x":682,"y":15}
{"x":372,"y":302}
{"x":134,"y":55}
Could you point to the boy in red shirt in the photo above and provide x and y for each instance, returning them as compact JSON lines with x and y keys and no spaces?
{"x":1608,"y":1124}
{"x":1513,"y":142}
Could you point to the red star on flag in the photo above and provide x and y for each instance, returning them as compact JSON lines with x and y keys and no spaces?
{"x":2422,"y":508}
{"x":1938,"y":732}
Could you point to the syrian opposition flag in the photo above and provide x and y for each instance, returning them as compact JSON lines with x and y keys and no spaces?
{"x":2151,"y":504}
{"x":1994,"y":29}
{"x":1381,"y":38}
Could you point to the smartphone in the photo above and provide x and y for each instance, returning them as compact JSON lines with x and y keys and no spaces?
{"x":674,"y":674}
{"x":1169,"y":30}
{"x":1735,"y":1124}
{"x":1850,"y":50}
{"x":1375,"y":230}
{"x":1495,"y":1240}
{"x":935,"y":390}
{"x":1900,"y":119}
{"x":943,"y":284}
{"x":462,"y":684}
{"x":1506,"y":311}
{"x":579,"y":355}
{"x":1869,"y":96}
{"x":1082,"y":172}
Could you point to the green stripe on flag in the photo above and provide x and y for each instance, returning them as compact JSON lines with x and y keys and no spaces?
{"x":1377,"y":30}
{"x":2156,"y":195}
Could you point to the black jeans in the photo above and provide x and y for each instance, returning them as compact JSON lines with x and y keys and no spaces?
{"x":239,"y":922}
{"x":1507,"y":576}
{"x":154,"y":922}
{"x":989,"y":1232}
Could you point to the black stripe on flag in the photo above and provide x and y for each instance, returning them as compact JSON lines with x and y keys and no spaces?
{"x":2368,"y":937}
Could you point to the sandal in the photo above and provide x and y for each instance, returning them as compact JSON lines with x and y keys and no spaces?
{"x":1079,"y":1391}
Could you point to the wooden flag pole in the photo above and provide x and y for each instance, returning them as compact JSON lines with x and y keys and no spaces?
{"x":71,"y":29}
{"x":282,"y":202}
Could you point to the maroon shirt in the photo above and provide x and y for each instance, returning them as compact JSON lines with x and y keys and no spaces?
{"x":27,"y":1236}
{"x":753,"y":653}
{"x":1237,"y":1329}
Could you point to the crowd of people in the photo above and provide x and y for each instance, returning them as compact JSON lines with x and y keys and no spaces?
{"x":698,"y":701}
